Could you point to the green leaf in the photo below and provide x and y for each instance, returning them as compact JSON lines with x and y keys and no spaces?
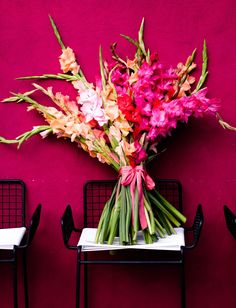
{"x":40,"y":88}
{"x":56,"y":32}
{"x":148,"y":56}
{"x":191,"y":58}
{"x":140,"y":38}
{"x":66,"y":77}
{"x":151,"y":157}
{"x":16,"y":98}
{"x":10,"y":99}
{"x":204,"y":74}
{"x":102,"y":68}
{"x":129,"y":39}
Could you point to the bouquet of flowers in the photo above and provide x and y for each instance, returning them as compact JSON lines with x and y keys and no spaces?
{"x":120,"y":120}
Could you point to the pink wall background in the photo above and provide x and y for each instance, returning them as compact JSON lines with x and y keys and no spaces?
{"x":202,"y":156}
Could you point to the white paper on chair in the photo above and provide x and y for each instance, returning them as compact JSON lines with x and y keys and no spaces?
{"x":172,"y":242}
{"x":10,"y":237}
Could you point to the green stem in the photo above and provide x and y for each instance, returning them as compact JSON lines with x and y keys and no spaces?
{"x":163,"y":209}
{"x":100,"y":224}
{"x":170,"y":230}
{"x":164,"y":223}
{"x":149,"y":216}
{"x":115,"y":215}
{"x":122,"y":225}
{"x":170,"y":207}
{"x":149,"y":238}
{"x":161,"y":231}
{"x":103,"y":226}
{"x":136,"y":217}
{"x":128,"y":210}
{"x":20,"y":139}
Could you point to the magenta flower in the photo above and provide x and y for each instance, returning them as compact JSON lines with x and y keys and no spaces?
{"x":120,"y":80}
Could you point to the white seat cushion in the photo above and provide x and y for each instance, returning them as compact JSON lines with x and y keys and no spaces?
{"x":10,"y":237}
{"x":172,"y":242}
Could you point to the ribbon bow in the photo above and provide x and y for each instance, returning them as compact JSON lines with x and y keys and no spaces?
{"x":131,"y":176}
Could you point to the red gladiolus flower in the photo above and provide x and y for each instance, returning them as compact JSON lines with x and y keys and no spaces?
{"x":125,"y":103}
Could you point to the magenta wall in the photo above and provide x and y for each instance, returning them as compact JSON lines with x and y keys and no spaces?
{"x":202,"y":156}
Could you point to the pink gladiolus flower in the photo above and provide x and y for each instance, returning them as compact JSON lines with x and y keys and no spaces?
{"x":165,"y":117}
{"x":98,"y":133}
{"x":102,"y":159}
{"x":203,"y":104}
{"x":68,"y":62}
{"x":92,"y":107}
{"x":115,"y":133}
{"x":123,"y":126}
{"x":63,"y":101}
{"x":120,"y":79}
{"x":79,"y":85}
{"x":82,"y":130}
{"x":152,"y":134}
{"x":112,"y":112}
{"x":140,"y":153}
{"x":125,"y":148}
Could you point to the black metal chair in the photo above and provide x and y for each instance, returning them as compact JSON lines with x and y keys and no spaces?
{"x":230,"y":219}
{"x":96,"y":193}
{"x":14,"y":234}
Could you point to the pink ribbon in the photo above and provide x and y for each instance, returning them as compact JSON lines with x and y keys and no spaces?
{"x":131,"y":176}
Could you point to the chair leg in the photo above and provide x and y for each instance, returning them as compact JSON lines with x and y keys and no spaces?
{"x":182,"y":277}
{"x":24,"y":259}
{"x":15,"y":296}
{"x":85,"y":286}
{"x":78,"y":281}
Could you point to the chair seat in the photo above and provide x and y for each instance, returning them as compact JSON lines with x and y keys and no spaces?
{"x":10,"y":237}
{"x":171,"y":243}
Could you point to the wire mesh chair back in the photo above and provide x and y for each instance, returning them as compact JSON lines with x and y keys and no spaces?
{"x":12,"y":203}
{"x":97,"y":193}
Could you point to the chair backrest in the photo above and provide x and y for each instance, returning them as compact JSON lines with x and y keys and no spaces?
{"x":12,"y":203}
{"x":230,"y":219}
{"x":197,"y":226}
{"x":67,"y":225}
{"x":96,"y":193}
{"x":34,"y":222}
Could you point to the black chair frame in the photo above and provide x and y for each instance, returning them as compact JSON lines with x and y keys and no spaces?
{"x":230,"y":219}
{"x":12,"y":193}
{"x":68,"y":227}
